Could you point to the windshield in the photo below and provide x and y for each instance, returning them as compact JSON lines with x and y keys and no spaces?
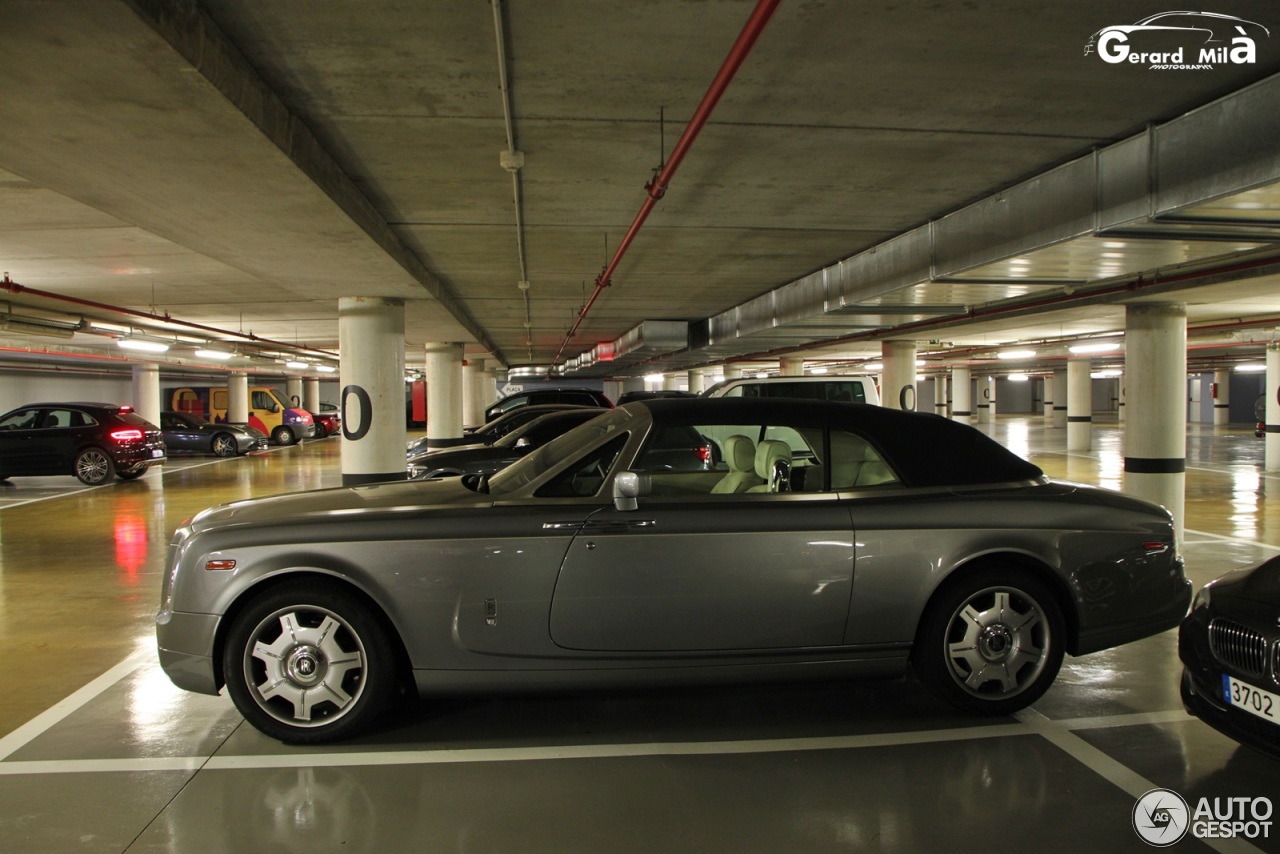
{"x":550,"y":455}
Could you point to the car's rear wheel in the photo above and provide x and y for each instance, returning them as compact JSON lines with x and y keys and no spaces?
{"x":223,"y":445}
{"x":990,"y":642}
{"x":309,"y":663}
{"x":283,"y":436}
{"x":94,"y":466}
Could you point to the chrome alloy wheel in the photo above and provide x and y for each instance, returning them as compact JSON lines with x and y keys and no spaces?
{"x":305,"y":666}
{"x":224,"y":445}
{"x":93,"y":466}
{"x":998,"y":642}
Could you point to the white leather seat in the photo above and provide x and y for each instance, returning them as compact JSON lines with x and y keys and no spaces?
{"x":740,"y":454}
{"x":769,"y":453}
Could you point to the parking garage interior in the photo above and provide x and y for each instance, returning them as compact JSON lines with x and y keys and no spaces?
{"x":981,"y":206}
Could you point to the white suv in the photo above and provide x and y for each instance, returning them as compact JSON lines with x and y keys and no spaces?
{"x":845,"y":389}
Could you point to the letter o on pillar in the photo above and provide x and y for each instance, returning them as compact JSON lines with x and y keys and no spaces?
{"x":907,"y":398}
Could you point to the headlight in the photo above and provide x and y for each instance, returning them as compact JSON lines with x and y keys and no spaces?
{"x":1202,"y":598}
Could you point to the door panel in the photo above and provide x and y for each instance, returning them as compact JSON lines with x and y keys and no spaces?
{"x":717,"y":573}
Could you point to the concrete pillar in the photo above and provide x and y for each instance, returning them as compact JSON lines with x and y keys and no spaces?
{"x":1079,"y":405}
{"x":146,"y":392}
{"x":940,"y":395}
{"x":1221,"y":397}
{"x":1155,"y":438}
{"x":293,"y":391}
{"x":961,"y":396}
{"x":473,"y":396}
{"x":311,"y":394}
{"x":791,"y":366}
{"x":371,"y":341}
{"x":1049,"y":392}
{"x":633,"y":384}
{"x":1060,"y":399}
{"x":987,"y":399}
{"x":497,"y":379}
{"x":613,"y":389}
{"x":698,"y":380}
{"x":671,"y":382}
{"x":898,"y":385}
{"x":444,"y":391}
{"x":1272,"y":449}
{"x":1120,"y":398}
{"x":238,"y":397}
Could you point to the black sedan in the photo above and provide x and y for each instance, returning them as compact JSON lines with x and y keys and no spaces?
{"x":93,"y":441}
{"x":487,"y":459}
{"x":185,"y":432}
{"x":495,"y":429}
{"x":1230,"y":648}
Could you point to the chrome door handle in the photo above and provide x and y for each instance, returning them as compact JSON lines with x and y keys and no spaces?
{"x":618,"y":527}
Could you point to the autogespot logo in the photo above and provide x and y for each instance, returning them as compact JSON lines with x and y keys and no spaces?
{"x":1179,"y":41}
{"x":1161,"y":817}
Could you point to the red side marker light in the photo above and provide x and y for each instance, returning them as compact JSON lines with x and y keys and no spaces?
{"x":220,"y":564}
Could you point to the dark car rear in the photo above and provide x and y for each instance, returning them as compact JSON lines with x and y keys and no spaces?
{"x":93,"y":441}
{"x":579,"y":396}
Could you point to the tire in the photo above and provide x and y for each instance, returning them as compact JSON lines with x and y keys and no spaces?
{"x":93,"y":466}
{"x":132,"y":475}
{"x":326,"y":676}
{"x":223,"y":445}
{"x":283,"y":436}
{"x":990,"y":642}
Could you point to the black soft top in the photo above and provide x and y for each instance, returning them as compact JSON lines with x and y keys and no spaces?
{"x":924,"y":449}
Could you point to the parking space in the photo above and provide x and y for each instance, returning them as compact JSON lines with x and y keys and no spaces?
{"x":106,"y":755}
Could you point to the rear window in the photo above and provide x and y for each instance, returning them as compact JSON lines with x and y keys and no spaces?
{"x":133,"y":419}
{"x":837,"y":390}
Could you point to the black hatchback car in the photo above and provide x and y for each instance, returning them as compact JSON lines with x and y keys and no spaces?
{"x":532,"y":397}
{"x":1230,"y":648}
{"x":93,"y":441}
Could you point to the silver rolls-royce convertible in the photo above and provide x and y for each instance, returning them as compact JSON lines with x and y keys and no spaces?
{"x":808,"y":540}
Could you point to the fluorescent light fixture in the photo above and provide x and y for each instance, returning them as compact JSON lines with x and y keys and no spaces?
{"x":1251,"y":368}
{"x":653,"y":378}
{"x":1105,"y":375}
{"x":297,"y":366}
{"x":141,"y":345}
{"x":1016,"y":354}
{"x":326,"y":369}
{"x":818,"y":370}
{"x":220,"y":355}
{"x":1101,"y":347}
{"x":874,"y":366}
{"x":1018,"y":378}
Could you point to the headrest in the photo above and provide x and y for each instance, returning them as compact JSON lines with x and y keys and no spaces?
{"x":769,"y":452}
{"x":739,"y":452}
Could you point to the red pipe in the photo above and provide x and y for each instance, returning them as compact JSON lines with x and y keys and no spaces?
{"x":14,"y":288}
{"x":657,"y":188}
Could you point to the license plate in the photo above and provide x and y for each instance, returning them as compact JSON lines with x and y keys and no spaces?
{"x":1242,"y":695}
{"x":156,"y":452}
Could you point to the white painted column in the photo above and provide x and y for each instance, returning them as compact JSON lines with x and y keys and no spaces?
{"x":613,"y":390}
{"x":898,"y":386}
{"x":698,"y":380}
{"x":311,"y":394}
{"x":1079,"y":405}
{"x":492,"y":389}
{"x":1049,"y":392}
{"x":146,"y":392}
{"x":473,"y":397}
{"x":940,"y":395}
{"x":961,"y":395}
{"x":1221,"y":397}
{"x":987,"y":399}
{"x":1060,"y":399}
{"x":1272,"y":449}
{"x":671,"y":382}
{"x":1155,"y":435}
{"x":791,"y":366}
{"x":371,"y":343}
{"x":444,"y":391}
{"x":293,"y":390}
{"x":238,"y":397}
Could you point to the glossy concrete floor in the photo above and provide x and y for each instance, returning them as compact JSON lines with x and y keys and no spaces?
{"x":98,"y":752}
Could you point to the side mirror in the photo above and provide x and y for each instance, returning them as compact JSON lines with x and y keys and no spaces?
{"x":523,"y":443}
{"x":627,"y":487}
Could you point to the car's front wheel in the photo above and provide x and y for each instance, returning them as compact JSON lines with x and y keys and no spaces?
{"x":308,"y":663}
{"x":223,"y":445}
{"x":283,"y":436}
{"x":990,"y":642}
{"x":94,"y":466}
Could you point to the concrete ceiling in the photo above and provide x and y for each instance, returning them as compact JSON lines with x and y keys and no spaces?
{"x":241,"y":165}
